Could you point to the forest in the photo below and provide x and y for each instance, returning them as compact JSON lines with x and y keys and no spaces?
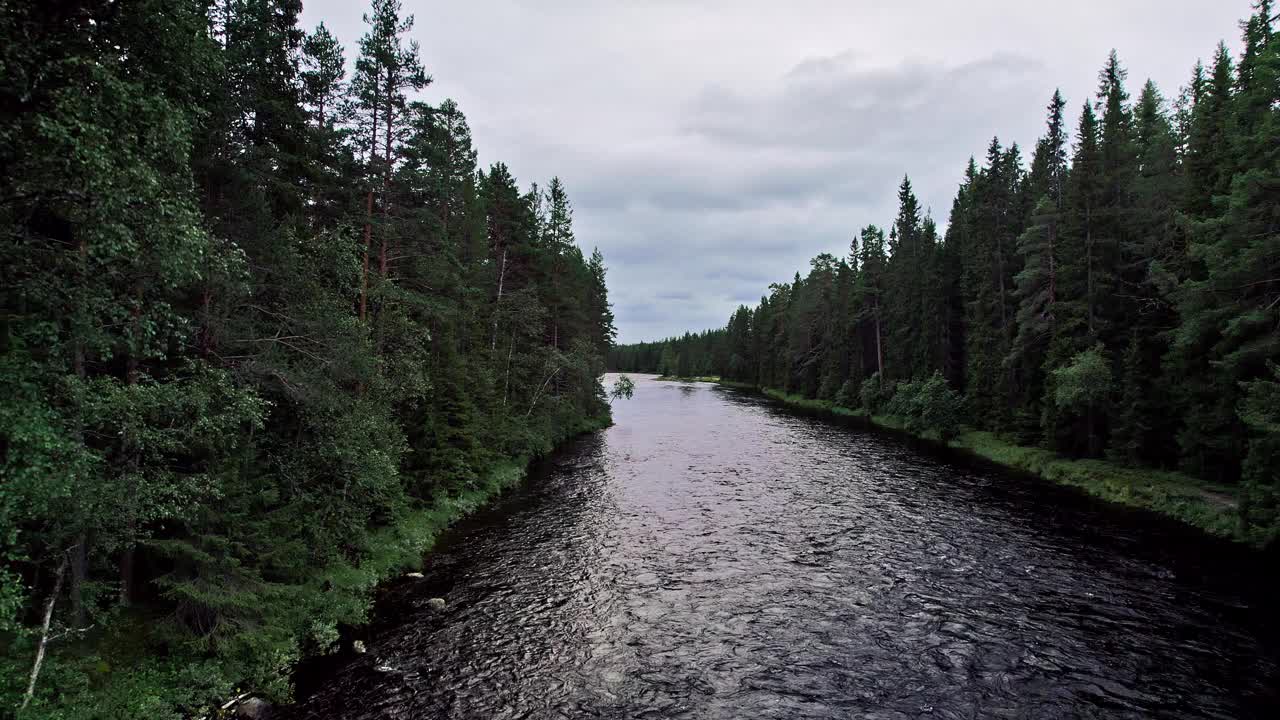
{"x":267,"y":329}
{"x":1116,"y":297}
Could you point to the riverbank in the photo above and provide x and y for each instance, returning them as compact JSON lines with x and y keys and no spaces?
{"x":695,"y":378}
{"x":1206,"y":506}
{"x":136,"y":669}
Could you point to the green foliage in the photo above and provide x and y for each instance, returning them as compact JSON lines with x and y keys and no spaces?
{"x":266,"y":333}
{"x":1083,"y":384}
{"x":849,"y":395}
{"x":623,"y":388}
{"x":927,"y":407}
{"x":874,"y":394}
{"x":1260,"y":495}
{"x":1212,"y":508}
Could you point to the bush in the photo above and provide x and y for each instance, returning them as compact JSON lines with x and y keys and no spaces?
{"x":847,"y":395}
{"x":874,"y":395}
{"x":1084,"y":383}
{"x":828,"y":388}
{"x":928,"y":405}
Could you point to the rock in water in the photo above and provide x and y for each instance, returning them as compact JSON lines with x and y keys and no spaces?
{"x":254,"y":709}
{"x":415,"y":575}
{"x":436,"y":604}
{"x":358,"y":647}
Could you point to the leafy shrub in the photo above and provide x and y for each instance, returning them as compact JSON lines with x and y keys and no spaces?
{"x":928,"y":405}
{"x":1084,"y":383}
{"x":847,"y":396}
{"x":1260,"y":492}
{"x":874,"y":395}
{"x":829,"y":386}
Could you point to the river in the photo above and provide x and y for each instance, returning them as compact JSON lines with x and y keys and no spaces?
{"x":713,"y":555}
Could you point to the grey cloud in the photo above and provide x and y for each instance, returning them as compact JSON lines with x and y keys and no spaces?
{"x":711,"y":147}
{"x":835,"y":105}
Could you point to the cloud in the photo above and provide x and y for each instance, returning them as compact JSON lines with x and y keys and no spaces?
{"x":711,"y":147}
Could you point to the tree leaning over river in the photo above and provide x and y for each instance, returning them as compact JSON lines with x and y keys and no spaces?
{"x":264,"y":325}
{"x":1124,"y":303}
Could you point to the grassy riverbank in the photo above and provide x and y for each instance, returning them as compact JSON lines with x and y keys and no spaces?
{"x":137,"y":668}
{"x":1209,"y":507}
{"x":695,"y":378}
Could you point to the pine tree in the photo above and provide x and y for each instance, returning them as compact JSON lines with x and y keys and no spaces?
{"x":323,"y":89}
{"x":907,"y":345}
{"x":870,"y":293}
{"x":995,"y":222}
{"x":1208,"y":172}
{"x":1231,"y":314}
{"x":1152,"y":261}
{"x":1037,"y":282}
{"x":387,"y":68}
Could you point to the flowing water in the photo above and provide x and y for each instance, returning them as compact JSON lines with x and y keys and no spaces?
{"x":715,"y":556}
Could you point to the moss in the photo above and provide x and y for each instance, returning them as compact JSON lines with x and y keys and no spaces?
{"x":1209,"y":507}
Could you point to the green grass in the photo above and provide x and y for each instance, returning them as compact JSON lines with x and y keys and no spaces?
{"x":807,"y":403}
{"x":1209,"y":507}
{"x":695,"y":378}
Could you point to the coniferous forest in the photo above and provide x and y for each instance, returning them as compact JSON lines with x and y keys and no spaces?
{"x":1115,"y":293}
{"x":267,"y":328}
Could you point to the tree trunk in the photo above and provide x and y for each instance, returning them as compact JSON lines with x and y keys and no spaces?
{"x":502,"y":273}
{"x":1004,"y":320}
{"x":879,"y":349}
{"x":44,"y":634}
{"x":204,"y":343}
{"x":506,"y":382}
{"x":364,"y":271}
{"x":534,"y":403}
{"x":1088,"y":244}
{"x":386,"y":174}
{"x":368,"y":219}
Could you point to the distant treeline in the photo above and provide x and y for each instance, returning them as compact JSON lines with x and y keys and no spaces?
{"x":1118,"y":297}
{"x":690,"y":355}
{"x":266,"y":327}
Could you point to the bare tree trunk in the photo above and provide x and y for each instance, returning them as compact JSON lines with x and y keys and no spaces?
{"x":386,"y":174}
{"x":502,"y":273}
{"x":364,"y":272}
{"x":1004,"y":320}
{"x":538,"y":394}
{"x":879,"y":349}
{"x":368,"y":220}
{"x":506,"y":382}
{"x":1088,"y":243}
{"x":44,"y":634}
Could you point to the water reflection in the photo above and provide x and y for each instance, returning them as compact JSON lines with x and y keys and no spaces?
{"x":711,"y":556}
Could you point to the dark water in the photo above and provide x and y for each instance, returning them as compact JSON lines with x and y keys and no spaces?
{"x":713,"y":556}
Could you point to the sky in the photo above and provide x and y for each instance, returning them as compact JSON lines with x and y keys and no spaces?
{"x":711,"y":147}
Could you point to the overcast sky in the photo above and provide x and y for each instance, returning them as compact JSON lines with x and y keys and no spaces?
{"x":711,"y":147}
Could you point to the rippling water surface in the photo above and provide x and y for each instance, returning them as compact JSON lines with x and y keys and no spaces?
{"x":714,"y":556}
